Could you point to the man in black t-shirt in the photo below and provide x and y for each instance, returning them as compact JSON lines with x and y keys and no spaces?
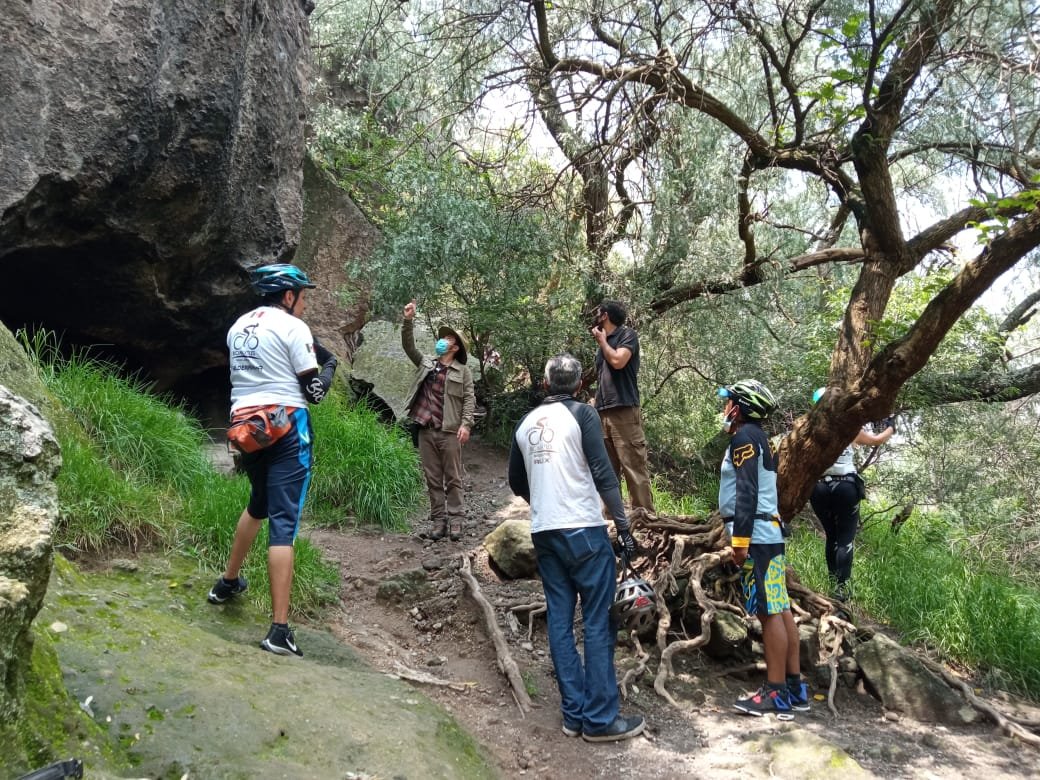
{"x":617,"y":400}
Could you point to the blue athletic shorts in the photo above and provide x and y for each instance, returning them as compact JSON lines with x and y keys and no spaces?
{"x":279,"y":476}
{"x":764,"y":580}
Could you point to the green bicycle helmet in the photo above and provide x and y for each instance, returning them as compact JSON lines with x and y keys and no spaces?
{"x":753,"y":398}
{"x":278,"y":277}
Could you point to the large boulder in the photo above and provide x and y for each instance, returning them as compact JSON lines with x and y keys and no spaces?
{"x":511,"y":549}
{"x":29,"y":461}
{"x":381,"y":368}
{"x":335,"y":233}
{"x":148,"y":153}
{"x":904,"y":684}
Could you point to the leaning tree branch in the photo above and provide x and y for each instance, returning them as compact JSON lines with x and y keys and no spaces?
{"x":903,"y":358}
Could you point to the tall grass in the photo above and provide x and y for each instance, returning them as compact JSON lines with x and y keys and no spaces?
{"x":935,"y":595}
{"x":365,"y":472}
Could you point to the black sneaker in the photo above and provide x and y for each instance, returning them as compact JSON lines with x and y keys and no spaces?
{"x":798,"y":697}
{"x":621,"y":728}
{"x":224,"y":590}
{"x":572,"y":729}
{"x":281,"y":641}
{"x":766,"y":701}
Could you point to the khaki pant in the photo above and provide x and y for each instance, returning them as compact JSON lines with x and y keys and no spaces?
{"x":626,"y":448}
{"x":441,"y":456}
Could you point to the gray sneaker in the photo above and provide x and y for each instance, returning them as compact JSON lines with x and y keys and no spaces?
{"x":621,"y":728}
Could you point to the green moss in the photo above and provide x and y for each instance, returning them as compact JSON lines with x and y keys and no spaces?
{"x":52,"y":726}
{"x":472,"y":762}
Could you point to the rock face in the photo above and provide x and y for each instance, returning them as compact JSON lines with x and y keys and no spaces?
{"x":29,"y":461}
{"x":381,"y":367}
{"x":148,"y":153}
{"x":335,"y":232}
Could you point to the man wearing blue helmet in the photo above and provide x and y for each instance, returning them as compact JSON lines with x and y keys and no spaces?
{"x":277,"y":369}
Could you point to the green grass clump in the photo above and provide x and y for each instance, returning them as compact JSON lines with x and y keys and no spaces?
{"x":365,"y":472}
{"x":934,"y":594}
{"x":699,"y":505}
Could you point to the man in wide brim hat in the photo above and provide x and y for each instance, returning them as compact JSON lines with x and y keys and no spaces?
{"x":441,"y":403}
{"x":461,"y":355}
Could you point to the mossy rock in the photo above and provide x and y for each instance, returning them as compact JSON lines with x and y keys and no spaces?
{"x":182,"y":687}
{"x":53,"y":727}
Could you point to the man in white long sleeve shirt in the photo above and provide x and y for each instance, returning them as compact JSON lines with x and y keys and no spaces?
{"x":558,"y":463}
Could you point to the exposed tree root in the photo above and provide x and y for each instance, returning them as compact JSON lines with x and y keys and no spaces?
{"x":832,"y":633}
{"x":637,"y":671}
{"x":1009,"y":726}
{"x":533,"y":610}
{"x":414,"y":675}
{"x":506,"y":664}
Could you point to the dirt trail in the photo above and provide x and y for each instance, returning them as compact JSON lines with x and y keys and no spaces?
{"x":443,"y":635}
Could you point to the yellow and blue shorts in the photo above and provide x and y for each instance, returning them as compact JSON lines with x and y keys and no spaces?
{"x":764,"y":580}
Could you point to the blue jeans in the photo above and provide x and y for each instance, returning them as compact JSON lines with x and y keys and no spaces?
{"x":573,"y":563}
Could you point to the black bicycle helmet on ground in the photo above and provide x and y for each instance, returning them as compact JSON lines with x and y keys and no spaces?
{"x":635,"y":606}
{"x":753,"y":398}
{"x":278,"y":277}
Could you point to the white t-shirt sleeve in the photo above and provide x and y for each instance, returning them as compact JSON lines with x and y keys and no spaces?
{"x":300,"y":343}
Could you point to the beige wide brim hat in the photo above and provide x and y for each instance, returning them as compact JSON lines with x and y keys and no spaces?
{"x":462,"y":355}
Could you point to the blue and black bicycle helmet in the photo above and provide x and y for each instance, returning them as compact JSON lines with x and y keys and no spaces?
{"x":753,"y":398}
{"x":278,"y":277}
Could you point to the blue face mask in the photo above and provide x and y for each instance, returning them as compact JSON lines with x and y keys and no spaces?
{"x":441,"y":347}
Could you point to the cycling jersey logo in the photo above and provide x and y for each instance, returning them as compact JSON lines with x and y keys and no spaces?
{"x":246,"y":339}
{"x":743,"y":454}
{"x":540,"y":433}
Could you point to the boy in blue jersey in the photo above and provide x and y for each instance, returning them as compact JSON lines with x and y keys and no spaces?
{"x":275,"y":362}
{"x":748,"y":504}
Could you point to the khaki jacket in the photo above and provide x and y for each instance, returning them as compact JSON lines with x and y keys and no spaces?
{"x":460,"y":400}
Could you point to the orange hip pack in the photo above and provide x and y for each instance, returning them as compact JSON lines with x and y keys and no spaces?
{"x":254,"y":428}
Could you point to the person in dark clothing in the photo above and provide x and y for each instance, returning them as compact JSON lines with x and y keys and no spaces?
{"x":558,"y":464}
{"x":835,"y":500}
{"x":617,"y":400}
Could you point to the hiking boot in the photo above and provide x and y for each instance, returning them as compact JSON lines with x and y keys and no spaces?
{"x":224,"y":590}
{"x":281,"y":641}
{"x":767,"y":700}
{"x":572,"y":729}
{"x":798,"y":697}
{"x":456,"y":530}
{"x":438,"y":532}
{"x":621,"y":728}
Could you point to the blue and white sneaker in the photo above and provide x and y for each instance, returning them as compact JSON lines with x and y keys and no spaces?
{"x":766,"y":701}
{"x":798,"y":697}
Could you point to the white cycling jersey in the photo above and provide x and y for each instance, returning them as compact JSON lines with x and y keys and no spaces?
{"x":269,"y":347}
